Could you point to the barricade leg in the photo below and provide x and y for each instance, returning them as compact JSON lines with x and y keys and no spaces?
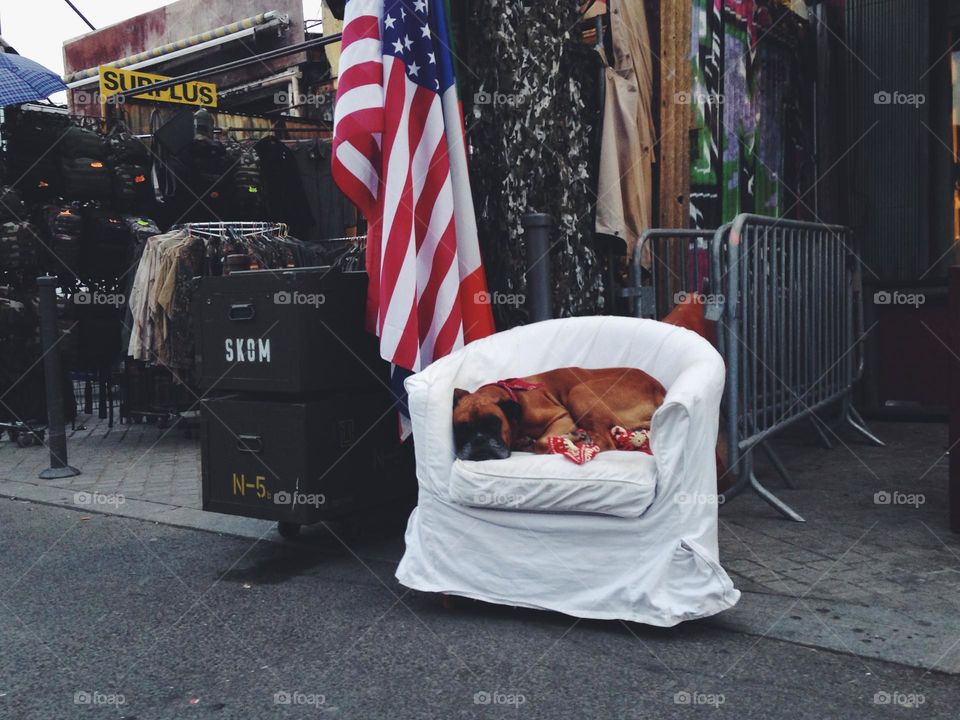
{"x":824,"y":440}
{"x":774,"y":502}
{"x":855,"y":421}
{"x":778,"y":464}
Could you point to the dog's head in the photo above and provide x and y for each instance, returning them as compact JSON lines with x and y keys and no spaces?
{"x":484,"y":423}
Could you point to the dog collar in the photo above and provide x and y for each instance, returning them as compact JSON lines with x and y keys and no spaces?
{"x":513,"y":385}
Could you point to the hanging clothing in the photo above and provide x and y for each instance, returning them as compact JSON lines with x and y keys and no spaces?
{"x":333,"y":215}
{"x":283,"y":191}
{"x":161,"y":323}
{"x":147,"y":330}
{"x":625,"y":178}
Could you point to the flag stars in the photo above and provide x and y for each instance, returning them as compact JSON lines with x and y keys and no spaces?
{"x":420,"y":6}
{"x":425,"y":31}
{"x":433,"y":60}
{"x":414,"y":68}
{"x":389,"y":22}
{"x":407,"y":42}
{"x":398,"y":46}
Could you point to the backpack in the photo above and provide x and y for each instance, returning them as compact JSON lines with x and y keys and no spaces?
{"x":32,"y":142}
{"x":106,"y":245}
{"x":85,"y":178}
{"x":11,"y":204}
{"x":131,"y":182}
{"x":246,"y":184}
{"x":79,"y":142}
{"x":18,"y":246}
{"x":123,"y":148}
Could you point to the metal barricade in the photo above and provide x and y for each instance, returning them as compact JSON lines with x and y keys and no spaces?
{"x":786,"y":298}
{"x":667,"y":262}
{"x":792,"y":328}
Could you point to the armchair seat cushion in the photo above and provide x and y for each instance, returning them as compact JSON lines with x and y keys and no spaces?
{"x":621,"y":484}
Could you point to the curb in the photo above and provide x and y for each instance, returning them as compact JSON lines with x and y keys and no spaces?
{"x":191,"y":518}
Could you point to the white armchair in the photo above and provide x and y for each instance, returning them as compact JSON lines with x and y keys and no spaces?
{"x":624,"y":536}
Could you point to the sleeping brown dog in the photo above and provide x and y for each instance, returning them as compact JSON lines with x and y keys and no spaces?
{"x":522,"y":413}
{"x":581,"y":404}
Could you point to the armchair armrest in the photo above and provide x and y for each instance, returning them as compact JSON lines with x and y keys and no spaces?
{"x":430,"y":399}
{"x":684,"y":430}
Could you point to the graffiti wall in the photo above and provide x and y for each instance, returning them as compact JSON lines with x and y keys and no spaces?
{"x":706,"y":45}
{"x":748,"y":85}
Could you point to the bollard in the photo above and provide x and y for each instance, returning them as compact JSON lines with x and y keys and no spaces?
{"x":536,"y":230}
{"x":56,"y":430}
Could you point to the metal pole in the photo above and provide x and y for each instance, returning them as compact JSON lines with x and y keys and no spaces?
{"x":536,"y":231}
{"x":56,"y":431}
{"x":233,"y":65}
{"x":80,"y":14}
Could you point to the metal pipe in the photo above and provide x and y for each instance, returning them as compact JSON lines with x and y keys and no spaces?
{"x":536,"y":231}
{"x":53,"y":376}
{"x":80,"y":14}
{"x":233,"y":65}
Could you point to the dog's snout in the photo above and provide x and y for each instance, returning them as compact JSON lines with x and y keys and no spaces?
{"x":483,"y":447}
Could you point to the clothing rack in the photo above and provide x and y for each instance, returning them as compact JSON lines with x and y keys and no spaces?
{"x":242,"y":228}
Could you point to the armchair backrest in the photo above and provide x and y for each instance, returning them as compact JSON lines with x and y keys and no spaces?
{"x":662,"y":350}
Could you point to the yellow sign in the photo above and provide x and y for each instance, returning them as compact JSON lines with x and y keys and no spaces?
{"x":115,"y":80}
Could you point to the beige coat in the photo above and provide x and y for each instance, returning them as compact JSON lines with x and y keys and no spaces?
{"x":625,"y":183}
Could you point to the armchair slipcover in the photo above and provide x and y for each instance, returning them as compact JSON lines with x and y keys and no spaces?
{"x":652,"y":560}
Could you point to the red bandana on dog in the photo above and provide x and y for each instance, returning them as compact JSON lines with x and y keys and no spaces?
{"x":512,"y":385}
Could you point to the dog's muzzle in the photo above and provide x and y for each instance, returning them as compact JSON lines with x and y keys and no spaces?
{"x":483,"y":447}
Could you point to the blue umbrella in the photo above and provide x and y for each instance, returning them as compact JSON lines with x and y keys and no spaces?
{"x":22,"y":80}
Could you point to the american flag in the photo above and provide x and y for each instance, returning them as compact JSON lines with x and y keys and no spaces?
{"x":399,"y":155}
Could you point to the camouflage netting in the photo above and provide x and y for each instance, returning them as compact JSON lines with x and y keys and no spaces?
{"x":527,"y":90}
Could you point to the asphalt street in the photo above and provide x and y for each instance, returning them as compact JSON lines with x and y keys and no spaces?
{"x":104,"y":616}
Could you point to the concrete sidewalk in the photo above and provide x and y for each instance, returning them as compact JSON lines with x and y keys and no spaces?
{"x":874,"y":572}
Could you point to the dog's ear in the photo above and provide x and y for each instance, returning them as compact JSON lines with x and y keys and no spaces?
{"x":511,"y":408}
{"x":458,"y":395}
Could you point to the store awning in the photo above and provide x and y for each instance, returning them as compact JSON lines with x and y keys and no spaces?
{"x":192,"y":44}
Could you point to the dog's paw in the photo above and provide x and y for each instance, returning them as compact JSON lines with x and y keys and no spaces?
{"x":580,"y":437}
{"x":563,"y":445}
{"x":636,"y":440}
{"x":524,"y":444}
